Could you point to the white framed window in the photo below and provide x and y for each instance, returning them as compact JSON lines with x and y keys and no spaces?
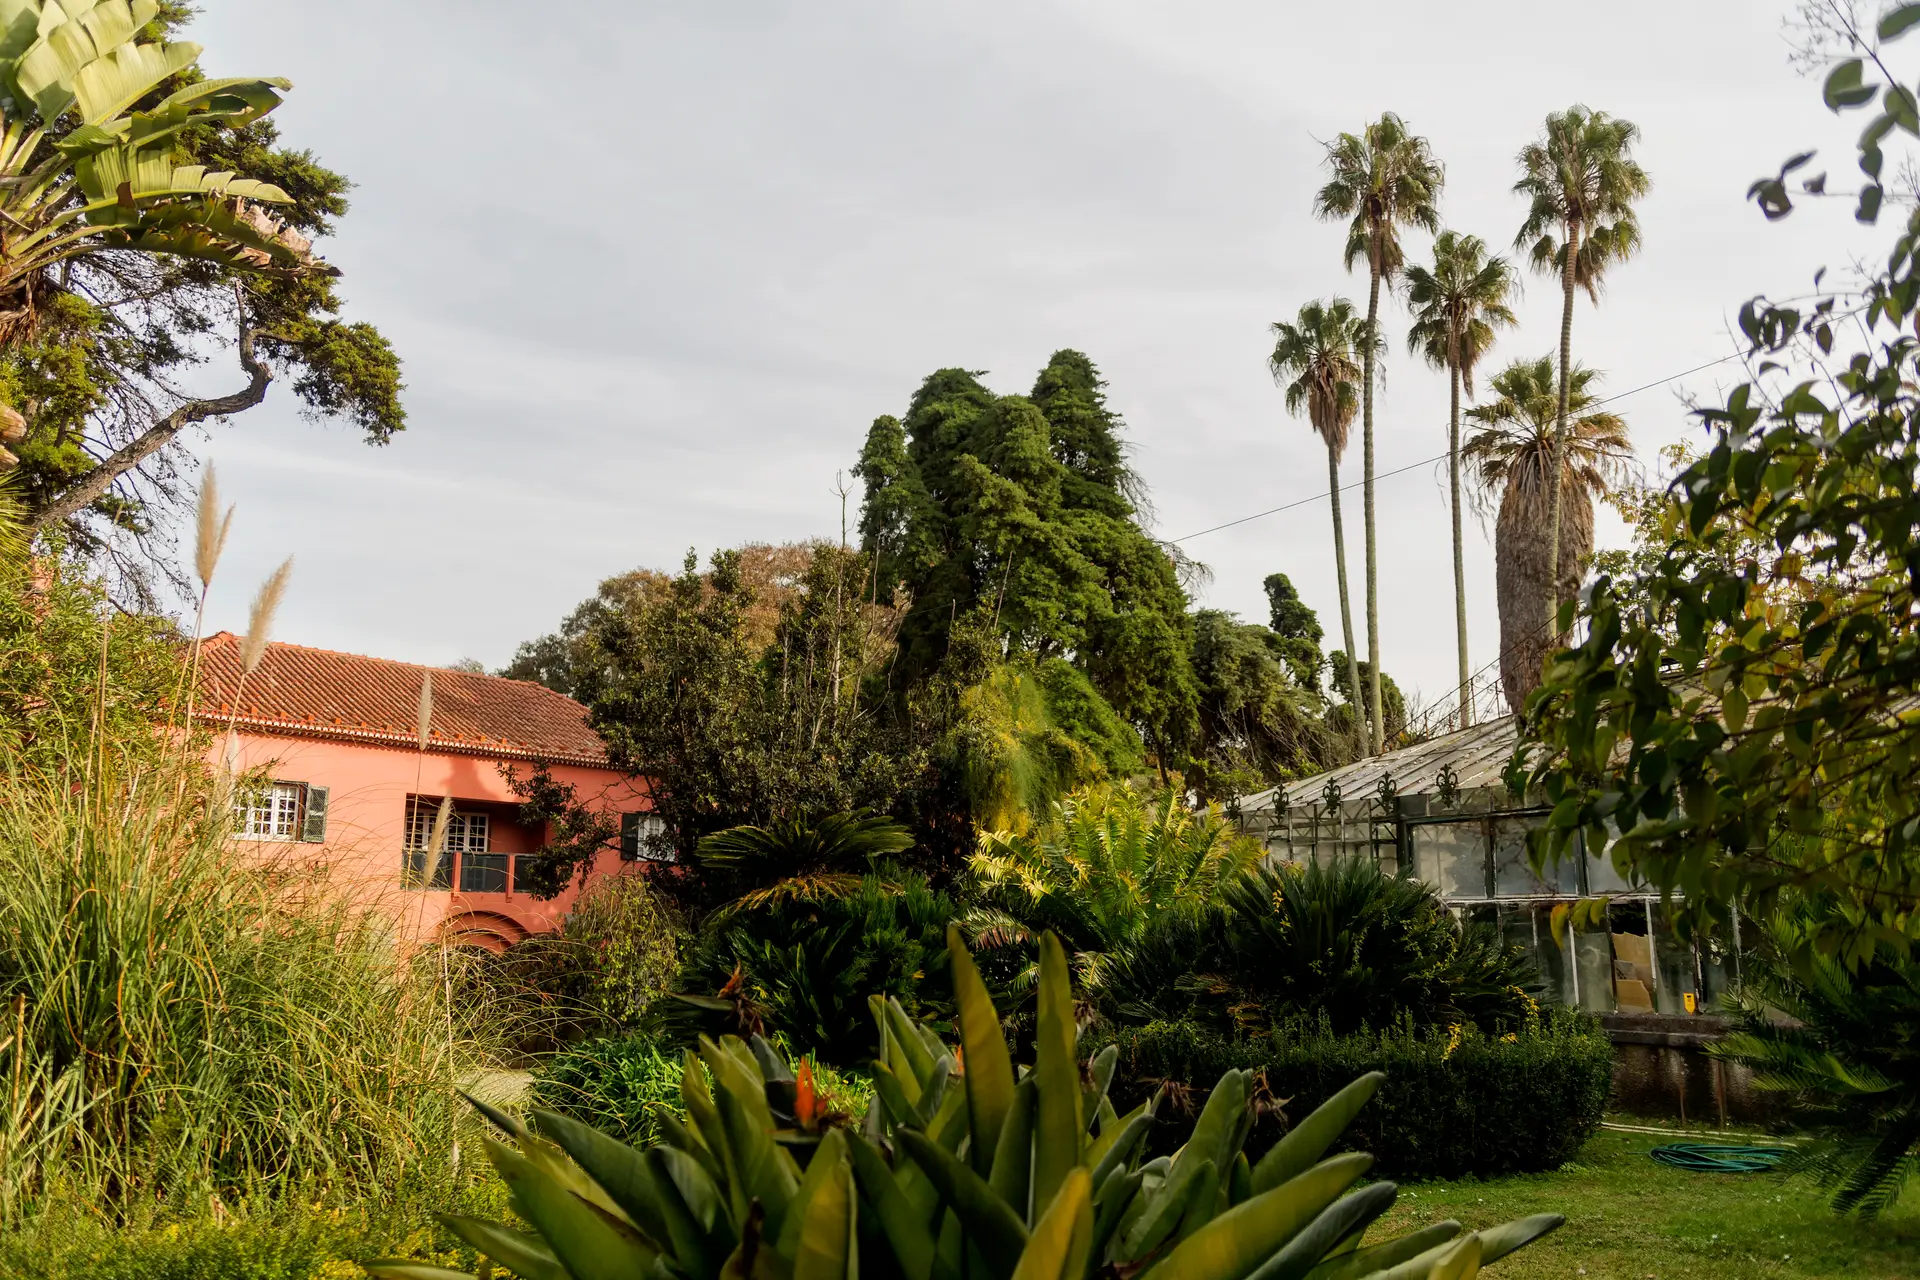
{"x":643,"y":838}
{"x":468,"y":836}
{"x":281,"y":811}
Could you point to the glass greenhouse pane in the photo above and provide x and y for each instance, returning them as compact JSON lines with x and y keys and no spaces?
{"x":1513,"y":873}
{"x":1451,"y":857}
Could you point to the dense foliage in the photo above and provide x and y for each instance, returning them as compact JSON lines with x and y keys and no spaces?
{"x":1021,"y":509}
{"x":93,"y":348}
{"x":629,"y":1087}
{"x":976,"y":1171}
{"x":1097,"y":869}
{"x":1340,"y":940}
{"x":803,"y":966}
{"x":1455,"y":1103}
{"x":195,"y":1018}
{"x":1740,"y":708}
{"x":1849,"y":1058}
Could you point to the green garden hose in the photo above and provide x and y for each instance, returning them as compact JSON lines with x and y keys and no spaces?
{"x":1709,"y":1157}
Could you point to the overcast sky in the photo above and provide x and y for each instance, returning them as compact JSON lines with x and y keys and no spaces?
{"x":654,"y":268}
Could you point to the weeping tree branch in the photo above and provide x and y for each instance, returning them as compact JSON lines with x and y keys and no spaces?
{"x":96,"y":482}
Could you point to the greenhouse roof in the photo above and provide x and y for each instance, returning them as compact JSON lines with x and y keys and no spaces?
{"x":1477,"y":758}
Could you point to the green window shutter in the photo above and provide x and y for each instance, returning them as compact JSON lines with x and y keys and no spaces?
{"x":629,"y":837}
{"x":314,"y":829}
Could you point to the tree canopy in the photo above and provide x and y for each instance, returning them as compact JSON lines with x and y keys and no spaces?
{"x":94,"y":344}
{"x":1022,"y":509}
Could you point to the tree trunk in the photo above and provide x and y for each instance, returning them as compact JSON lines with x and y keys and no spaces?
{"x":1459,"y":556}
{"x":1560,"y":423}
{"x":156,"y":437}
{"x":1377,"y":720}
{"x":1346,"y":606}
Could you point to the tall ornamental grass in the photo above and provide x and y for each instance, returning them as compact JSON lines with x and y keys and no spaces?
{"x":182,"y":1015}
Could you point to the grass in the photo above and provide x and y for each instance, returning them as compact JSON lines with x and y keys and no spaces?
{"x":1629,"y":1218}
{"x":197,"y":1019}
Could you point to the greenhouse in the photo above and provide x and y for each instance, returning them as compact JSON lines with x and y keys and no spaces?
{"x":1441,"y":811}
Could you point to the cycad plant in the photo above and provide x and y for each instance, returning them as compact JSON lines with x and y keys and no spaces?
{"x":1514,"y":455}
{"x":1849,"y":1056}
{"x":1456,"y":307}
{"x":1379,"y":180}
{"x":965,"y":1168}
{"x":1316,"y":357}
{"x":1580,"y":182}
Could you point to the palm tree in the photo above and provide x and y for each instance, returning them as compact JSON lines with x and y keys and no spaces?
{"x":1580,"y":182}
{"x":1316,"y":357}
{"x":1514,"y":455}
{"x":1382,"y":179}
{"x":1455,"y":309}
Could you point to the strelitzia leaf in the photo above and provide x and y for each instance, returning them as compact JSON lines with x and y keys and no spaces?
{"x":526,"y":1256}
{"x":1213,"y":1132}
{"x":1498,"y":1242}
{"x":1165,"y":1207}
{"x":402,"y":1269}
{"x":1234,"y":1244}
{"x":1381,"y":1257}
{"x":990,"y":1083}
{"x":1461,"y":1261}
{"x":1344,"y":1218}
{"x":905,"y":1229}
{"x":1063,"y":1236}
{"x":821,"y":1223}
{"x":991,"y":1224}
{"x":591,"y":1244}
{"x":1012,"y":1174}
{"x":1309,"y":1140}
{"x":1060,"y":1126}
{"x":618,"y":1169}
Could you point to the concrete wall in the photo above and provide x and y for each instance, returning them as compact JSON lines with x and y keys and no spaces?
{"x":1661,"y":1068}
{"x":368,"y":786}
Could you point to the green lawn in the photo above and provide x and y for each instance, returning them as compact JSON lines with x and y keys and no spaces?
{"x":1629,"y":1217}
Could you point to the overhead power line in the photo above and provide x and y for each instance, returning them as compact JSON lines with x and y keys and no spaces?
{"x":1427,"y":462}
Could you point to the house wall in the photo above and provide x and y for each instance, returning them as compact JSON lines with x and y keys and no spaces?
{"x":363,"y":851}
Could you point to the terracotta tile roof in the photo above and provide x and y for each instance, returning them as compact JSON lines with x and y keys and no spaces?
{"x":325,"y":694}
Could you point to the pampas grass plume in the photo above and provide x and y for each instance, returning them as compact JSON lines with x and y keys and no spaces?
{"x":211,"y":536}
{"x":438,"y":841}
{"x":426,"y":707}
{"x":260,"y":617}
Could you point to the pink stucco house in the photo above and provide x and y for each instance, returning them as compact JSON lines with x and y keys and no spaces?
{"x":351,"y":789}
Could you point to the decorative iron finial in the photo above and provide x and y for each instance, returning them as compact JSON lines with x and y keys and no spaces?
{"x":1449,"y":783}
{"x":1280,"y":802}
{"x":1330,"y":795}
{"x":1386,"y":791}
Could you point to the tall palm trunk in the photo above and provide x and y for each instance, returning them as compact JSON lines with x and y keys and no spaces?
{"x":1360,"y":721}
{"x":1560,"y":425}
{"x":1376,"y":720}
{"x":1459,"y":557}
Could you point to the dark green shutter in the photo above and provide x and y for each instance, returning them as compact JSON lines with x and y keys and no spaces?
{"x":314,"y":828}
{"x":629,"y":837}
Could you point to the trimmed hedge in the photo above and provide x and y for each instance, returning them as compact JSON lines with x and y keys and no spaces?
{"x":1455,"y":1103}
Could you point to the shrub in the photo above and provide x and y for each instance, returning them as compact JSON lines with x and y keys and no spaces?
{"x":803,"y":967}
{"x":983,"y":1173}
{"x":1849,"y":1059}
{"x":624,"y":1085}
{"x":1340,"y":940}
{"x":617,"y":956}
{"x":1455,"y":1104}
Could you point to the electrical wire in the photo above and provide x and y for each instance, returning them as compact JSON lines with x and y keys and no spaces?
{"x":1427,"y":462}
